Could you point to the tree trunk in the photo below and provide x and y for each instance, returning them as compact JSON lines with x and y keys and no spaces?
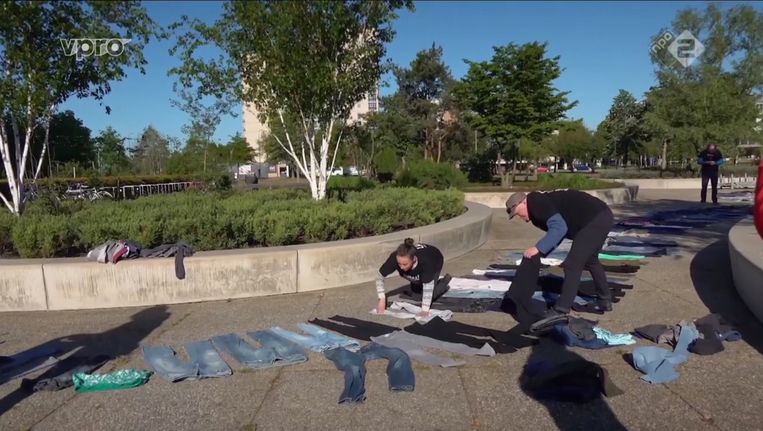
{"x":664,"y":161}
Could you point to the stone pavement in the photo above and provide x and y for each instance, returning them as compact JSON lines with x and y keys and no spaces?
{"x":723,"y":391}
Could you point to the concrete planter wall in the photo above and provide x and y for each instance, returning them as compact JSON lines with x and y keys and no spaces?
{"x":610,"y":196}
{"x":66,"y":284}
{"x":746,"y":254}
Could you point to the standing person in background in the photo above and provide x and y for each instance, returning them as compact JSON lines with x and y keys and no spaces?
{"x":710,"y":159}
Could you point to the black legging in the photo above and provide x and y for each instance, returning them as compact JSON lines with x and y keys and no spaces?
{"x":440,"y":287}
{"x":584,"y":254}
{"x":713,"y":178}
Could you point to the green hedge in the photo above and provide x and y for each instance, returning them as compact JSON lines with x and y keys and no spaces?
{"x":210,"y":221}
{"x":425,"y":174}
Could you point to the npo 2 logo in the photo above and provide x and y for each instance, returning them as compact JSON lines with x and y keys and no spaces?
{"x":685,"y":48}
{"x":87,"y":47}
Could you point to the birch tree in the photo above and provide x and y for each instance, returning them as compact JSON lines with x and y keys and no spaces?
{"x":310,"y":61}
{"x":44,"y":62}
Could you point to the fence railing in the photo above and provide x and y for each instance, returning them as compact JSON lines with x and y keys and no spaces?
{"x":737,"y":181}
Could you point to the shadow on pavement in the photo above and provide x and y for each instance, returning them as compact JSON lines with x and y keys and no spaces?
{"x":568,"y":416}
{"x":114,"y":343}
{"x":712,"y":278}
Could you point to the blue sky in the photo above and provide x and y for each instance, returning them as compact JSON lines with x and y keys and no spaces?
{"x":603,"y":47}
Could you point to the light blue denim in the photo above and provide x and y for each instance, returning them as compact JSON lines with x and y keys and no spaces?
{"x":319,"y":340}
{"x":613,"y":339}
{"x":252,"y":357}
{"x":210,"y":364}
{"x":163,"y":360}
{"x":473,"y":294}
{"x":284,"y":351}
{"x":659,"y":364}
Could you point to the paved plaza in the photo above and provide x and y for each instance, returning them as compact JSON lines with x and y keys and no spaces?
{"x":718,"y":392}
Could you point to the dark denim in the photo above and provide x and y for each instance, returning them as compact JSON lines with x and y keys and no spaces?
{"x":399,"y":370}
{"x":354,"y":368}
{"x":564,"y":335}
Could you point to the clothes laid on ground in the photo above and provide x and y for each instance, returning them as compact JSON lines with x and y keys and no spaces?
{"x":467,"y":305}
{"x":399,"y":371}
{"x":713,"y":329}
{"x":613,"y":339}
{"x":640,"y":223}
{"x":580,"y":304}
{"x":28,"y":361}
{"x":113,"y":251}
{"x":642,"y":242}
{"x":354,"y":328}
{"x":616,"y":268}
{"x":274,"y":351}
{"x":422,"y":341}
{"x":658,"y":364}
{"x":405,"y":310}
{"x":460,"y":284}
{"x":204,"y":362}
{"x":318,"y":340}
{"x":415,"y":350}
{"x":564,"y":335}
{"x":648,"y":251}
{"x":578,"y":381}
{"x":606,"y":256}
{"x":657,"y":333}
{"x":473,"y":294}
{"x":60,"y":376}
{"x":123,"y":379}
{"x":473,"y":336}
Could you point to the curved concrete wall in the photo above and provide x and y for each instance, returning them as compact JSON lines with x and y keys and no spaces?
{"x":746,"y":254}
{"x":66,"y":284}
{"x":610,"y":196}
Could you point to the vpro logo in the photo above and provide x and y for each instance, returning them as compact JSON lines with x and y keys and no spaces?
{"x":87,"y":47}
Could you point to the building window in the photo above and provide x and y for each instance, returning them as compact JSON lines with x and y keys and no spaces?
{"x":373,"y":103}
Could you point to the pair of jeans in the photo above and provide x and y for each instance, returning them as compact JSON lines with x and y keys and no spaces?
{"x":713,"y":178}
{"x":204,"y":362}
{"x":317,"y":340}
{"x":415,"y":350}
{"x":658,"y":364}
{"x":274,"y":350}
{"x":399,"y":371}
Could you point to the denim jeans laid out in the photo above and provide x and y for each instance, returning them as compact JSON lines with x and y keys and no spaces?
{"x":28,"y":361}
{"x":335,"y":339}
{"x":204,"y":355}
{"x":163,"y":360}
{"x":658,"y":364}
{"x":415,"y":350}
{"x":550,"y":298}
{"x":642,"y":251}
{"x":399,"y":371}
{"x":284,"y":352}
{"x":474,"y":294}
{"x":319,"y":341}
{"x":565,"y":336}
{"x":354,"y":368}
{"x":246,"y":354}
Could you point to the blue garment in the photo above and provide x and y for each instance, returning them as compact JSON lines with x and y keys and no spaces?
{"x":283,"y":351}
{"x":562,"y":334}
{"x":613,"y":339}
{"x":659,"y":364}
{"x":204,"y":355}
{"x":28,"y":361}
{"x":330,"y":337}
{"x":557,"y":229}
{"x":163,"y":360}
{"x":399,"y":370}
{"x":269,"y":355}
{"x":730,"y":335}
{"x":316,"y":343}
{"x":550,"y":298}
{"x":473,"y":294}
{"x":354,"y":368}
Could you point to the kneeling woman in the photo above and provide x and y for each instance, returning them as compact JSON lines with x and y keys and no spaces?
{"x":421,"y":265}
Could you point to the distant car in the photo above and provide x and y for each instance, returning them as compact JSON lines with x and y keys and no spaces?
{"x":352,"y":170}
{"x":337,"y":171}
{"x":582,"y":168}
{"x":542,"y":170}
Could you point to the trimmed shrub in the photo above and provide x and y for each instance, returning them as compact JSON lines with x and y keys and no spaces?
{"x":425,"y":174}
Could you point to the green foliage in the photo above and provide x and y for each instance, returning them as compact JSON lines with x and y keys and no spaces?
{"x":426,"y":174}
{"x":386,"y":163}
{"x":210,"y":221}
{"x":625,"y":129}
{"x":340,"y":185}
{"x":479,"y":167}
{"x":571,"y":181}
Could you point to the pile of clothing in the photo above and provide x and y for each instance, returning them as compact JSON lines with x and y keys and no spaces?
{"x":113,"y":251}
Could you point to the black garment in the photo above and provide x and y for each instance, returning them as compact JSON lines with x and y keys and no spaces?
{"x":657,"y":253}
{"x":584,"y":254}
{"x":578,"y":381}
{"x":708,"y":156}
{"x":354,"y":328}
{"x":518,"y":300}
{"x":417,"y":289}
{"x":428,"y":266}
{"x":62,"y":373}
{"x":582,"y":328}
{"x":576,"y":208}
{"x":655,"y":333}
{"x":713,"y":178}
{"x":467,"y":305}
{"x":617,"y":268}
{"x":710,"y":328}
{"x":180,"y":250}
{"x":473,"y":336}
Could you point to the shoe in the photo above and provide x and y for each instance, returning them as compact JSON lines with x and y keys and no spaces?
{"x":552,"y":318}
{"x":604,"y":305}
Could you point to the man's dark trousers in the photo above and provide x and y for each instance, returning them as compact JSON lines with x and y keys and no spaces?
{"x":713,"y":178}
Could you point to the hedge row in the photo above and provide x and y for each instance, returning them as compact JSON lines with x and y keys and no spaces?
{"x":57,"y":183}
{"x":210,"y":221}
